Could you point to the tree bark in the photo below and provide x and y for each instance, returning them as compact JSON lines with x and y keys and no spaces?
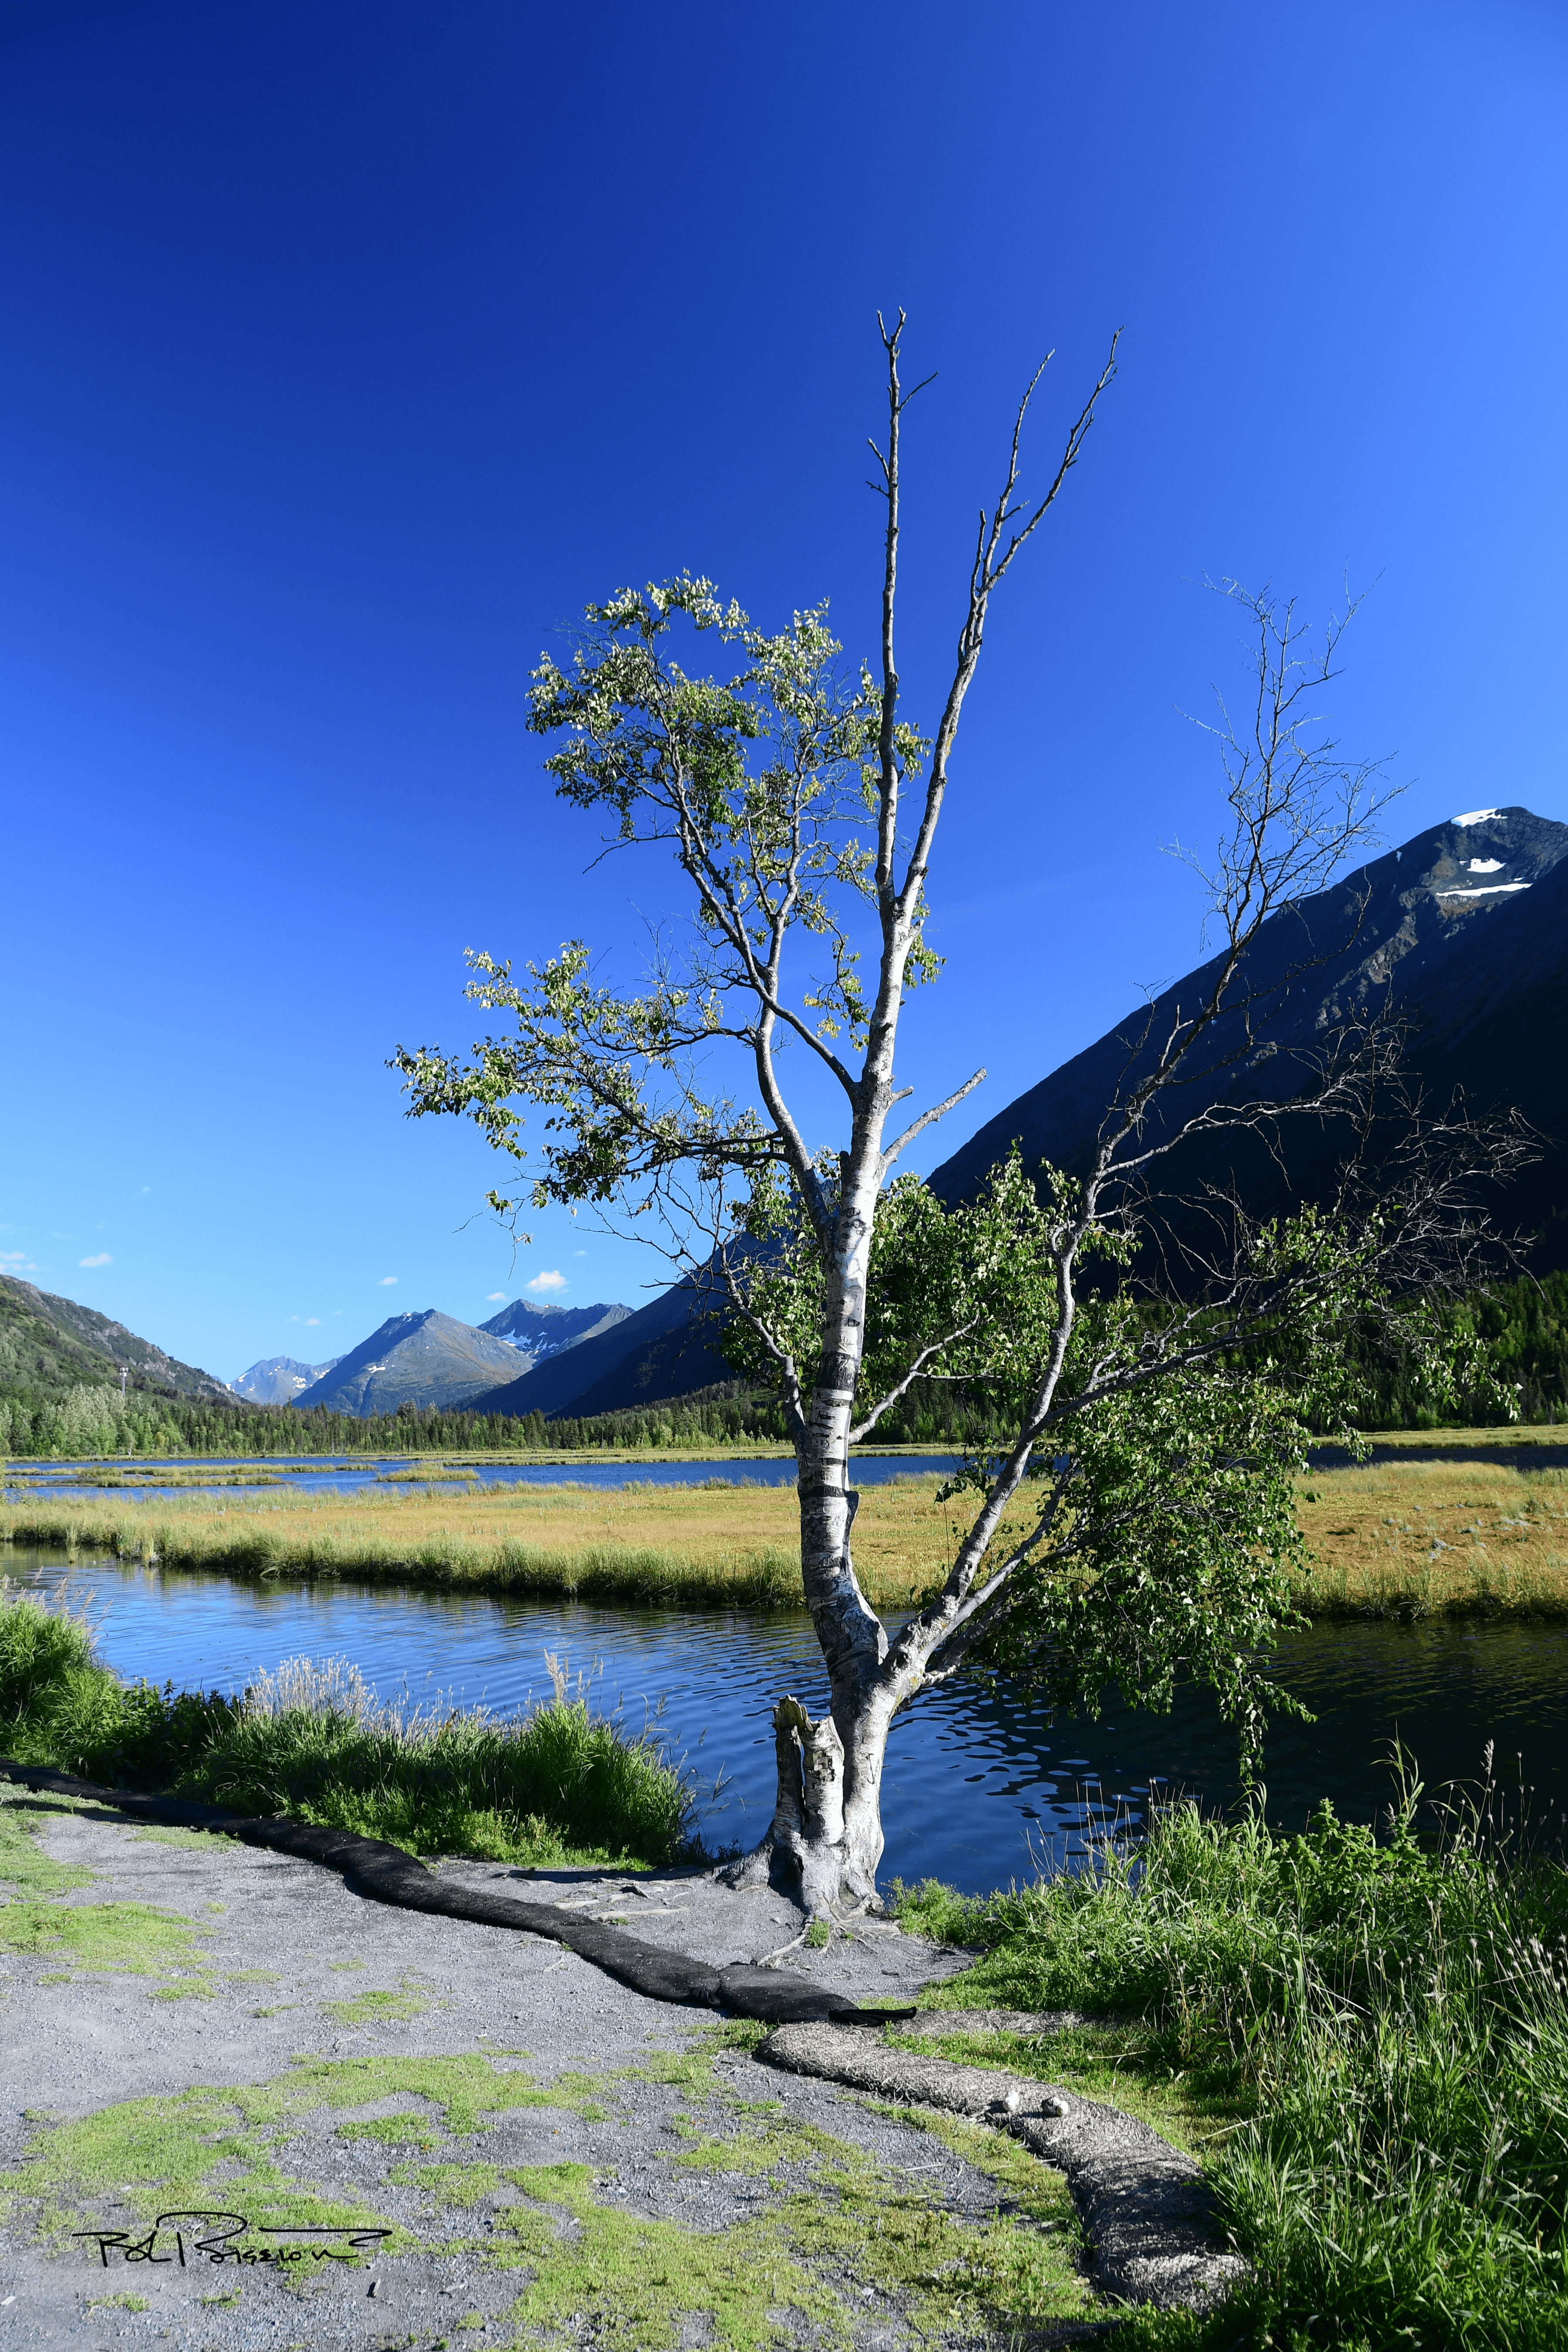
{"x":825,"y":1840}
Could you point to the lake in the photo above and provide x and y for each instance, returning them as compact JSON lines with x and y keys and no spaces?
{"x":981,"y":1784}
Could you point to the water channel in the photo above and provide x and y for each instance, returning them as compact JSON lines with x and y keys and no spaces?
{"x":982,"y":1785}
{"x":311,"y":1474}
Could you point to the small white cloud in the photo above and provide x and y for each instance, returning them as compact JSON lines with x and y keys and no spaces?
{"x":387,"y":1281}
{"x":312,"y":1321}
{"x":579,"y":1253}
{"x":490,"y":1296}
{"x":552,"y":1278}
{"x":19,"y":1259}
{"x":101,"y":1258}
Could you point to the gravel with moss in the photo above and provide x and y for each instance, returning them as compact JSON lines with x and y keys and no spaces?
{"x":194,"y":2026}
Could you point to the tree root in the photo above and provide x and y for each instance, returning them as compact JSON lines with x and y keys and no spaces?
{"x":1156,"y":2234}
{"x":388,"y":1874}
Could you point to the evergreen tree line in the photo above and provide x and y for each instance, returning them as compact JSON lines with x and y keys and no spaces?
{"x":1523,"y":1325}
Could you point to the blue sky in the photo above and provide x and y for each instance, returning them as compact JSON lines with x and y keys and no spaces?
{"x":346,"y":350}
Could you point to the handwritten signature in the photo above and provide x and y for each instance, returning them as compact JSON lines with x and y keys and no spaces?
{"x":202,"y":2237}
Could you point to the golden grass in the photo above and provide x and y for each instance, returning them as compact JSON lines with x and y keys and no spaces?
{"x":684,"y":1546}
{"x":1405,"y":1537}
{"x":1435,"y":1537}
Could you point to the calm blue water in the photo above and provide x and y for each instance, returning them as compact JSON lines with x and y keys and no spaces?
{"x":360,"y":1471}
{"x":980,"y":1781}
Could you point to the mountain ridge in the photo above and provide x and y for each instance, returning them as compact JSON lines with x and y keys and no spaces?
{"x":1461,"y":932}
{"x":538,"y":1333}
{"x":50,"y":1342}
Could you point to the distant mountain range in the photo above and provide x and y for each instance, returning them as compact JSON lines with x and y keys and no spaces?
{"x":666,"y":1348}
{"x":1462,"y":933}
{"x":49,"y":1344}
{"x":539,"y":1332}
{"x":278,"y":1380}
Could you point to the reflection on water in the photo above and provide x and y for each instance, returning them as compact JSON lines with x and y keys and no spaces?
{"x":978,"y":1778}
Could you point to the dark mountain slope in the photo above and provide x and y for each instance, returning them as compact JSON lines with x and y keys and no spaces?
{"x":49,"y":1344}
{"x":660,"y":1351}
{"x":1463,"y":934}
{"x":427,"y":1359}
{"x":538,"y":1333}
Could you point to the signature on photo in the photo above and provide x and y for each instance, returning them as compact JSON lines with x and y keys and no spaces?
{"x":189,"y":2235}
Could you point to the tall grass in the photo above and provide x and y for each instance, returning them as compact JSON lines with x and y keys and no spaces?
{"x":1390,"y":2018}
{"x":558,"y":1783}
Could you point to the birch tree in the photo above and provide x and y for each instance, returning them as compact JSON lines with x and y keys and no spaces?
{"x":1136,"y":1519}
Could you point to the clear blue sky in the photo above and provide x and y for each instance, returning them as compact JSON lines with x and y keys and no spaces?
{"x":349,"y":348}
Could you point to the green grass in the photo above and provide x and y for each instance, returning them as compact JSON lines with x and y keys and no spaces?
{"x":1367,"y":2039}
{"x":559,"y":1784}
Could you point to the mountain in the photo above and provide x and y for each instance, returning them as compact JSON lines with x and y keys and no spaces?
{"x":49,"y":1344}
{"x":277,"y":1379}
{"x":427,"y":1359}
{"x":1462,"y":933}
{"x":539,"y":1333}
{"x":662,"y":1350}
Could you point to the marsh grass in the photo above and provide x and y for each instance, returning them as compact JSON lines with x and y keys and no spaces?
{"x":557,"y":1784}
{"x":1416,"y":1539}
{"x":1385,"y":2022}
{"x":1396,"y":1538}
{"x":722,"y":1545}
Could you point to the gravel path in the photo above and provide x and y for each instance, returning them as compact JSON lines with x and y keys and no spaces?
{"x":324,"y":2013}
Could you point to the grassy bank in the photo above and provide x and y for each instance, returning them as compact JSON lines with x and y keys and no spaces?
{"x":556,"y":1785}
{"x":1406,"y":1537}
{"x":1370,"y":2042}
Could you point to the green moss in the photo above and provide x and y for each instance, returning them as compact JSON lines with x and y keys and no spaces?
{"x":373,"y":2008}
{"x":398,"y":2131}
{"x":24,"y":1864}
{"x":117,"y":2303}
{"x":186,"y":1988}
{"x":210,"y":2146}
{"x":132,"y":1938}
{"x":852,"y":2224}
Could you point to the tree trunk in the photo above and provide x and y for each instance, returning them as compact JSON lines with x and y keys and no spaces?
{"x":825,"y":1840}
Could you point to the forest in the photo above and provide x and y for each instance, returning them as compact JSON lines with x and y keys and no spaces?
{"x":54,"y":1411}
